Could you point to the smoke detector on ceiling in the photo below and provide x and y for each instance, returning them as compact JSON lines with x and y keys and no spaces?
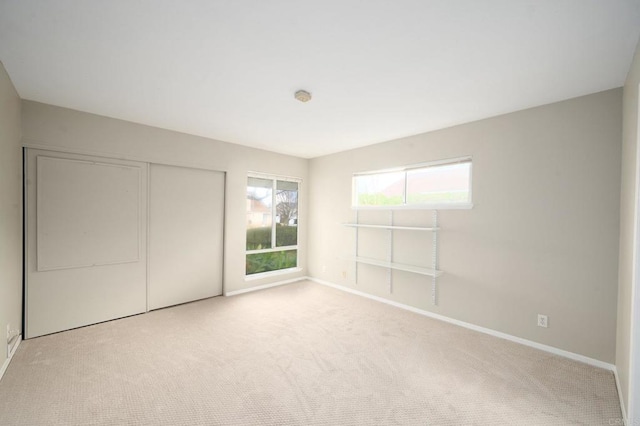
{"x":303,"y":96}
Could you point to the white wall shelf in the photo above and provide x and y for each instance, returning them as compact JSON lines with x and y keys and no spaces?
{"x":406,"y":228}
{"x":399,"y":266}
{"x":388,"y":263}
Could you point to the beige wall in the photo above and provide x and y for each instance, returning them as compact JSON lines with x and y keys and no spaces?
{"x":541,"y":238}
{"x":627,"y":222}
{"x":49,"y":127}
{"x":10,"y":211}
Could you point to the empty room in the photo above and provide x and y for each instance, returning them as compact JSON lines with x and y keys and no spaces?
{"x":411,"y":212}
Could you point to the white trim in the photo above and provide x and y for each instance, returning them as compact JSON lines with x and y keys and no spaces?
{"x":625,"y":419}
{"x":8,"y":360}
{"x":262,"y":287}
{"x":269,"y":176}
{"x":271,"y":250}
{"x":633,"y":387}
{"x":268,"y":274}
{"x":530,"y":343}
{"x":147,"y":283}
{"x":35,"y":144}
{"x":457,"y":160}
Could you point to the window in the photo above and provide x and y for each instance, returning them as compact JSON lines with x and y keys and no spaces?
{"x":272,"y":224}
{"x":440,"y":184}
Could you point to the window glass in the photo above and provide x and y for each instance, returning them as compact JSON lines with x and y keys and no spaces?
{"x":447,"y":183}
{"x":286,"y":213}
{"x":271,"y":261}
{"x":272,"y":225}
{"x":441,"y":184}
{"x":379,"y":189}
{"x":259,"y":213}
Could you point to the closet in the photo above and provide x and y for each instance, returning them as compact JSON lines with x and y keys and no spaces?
{"x":108,"y":238}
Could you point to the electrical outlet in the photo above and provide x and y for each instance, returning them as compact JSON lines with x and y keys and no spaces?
{"x":543,"y":321}
{"x":344,"y":274}
{"x":324,"y":268}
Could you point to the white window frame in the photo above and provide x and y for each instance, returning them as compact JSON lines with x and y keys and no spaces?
{"x":426,"y":206}
{"x":297,"y":268}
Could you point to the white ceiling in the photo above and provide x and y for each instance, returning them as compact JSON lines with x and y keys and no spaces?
{"x":377,"y":69}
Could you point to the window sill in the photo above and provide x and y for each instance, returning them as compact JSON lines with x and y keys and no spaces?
{"x":261,"y":275}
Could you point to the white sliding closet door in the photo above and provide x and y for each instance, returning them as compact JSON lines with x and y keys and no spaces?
{"x":185,"y":234}
{"x":86,"y":240}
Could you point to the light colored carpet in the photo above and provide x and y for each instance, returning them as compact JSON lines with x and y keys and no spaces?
{"x":301,"y":354}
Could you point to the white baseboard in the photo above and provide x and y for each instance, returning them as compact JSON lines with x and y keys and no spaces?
{"x":262,"y":287}
{"x":620,"y":397}
{"x":550,"y":349}
{"x":8,"y":360}
{"x":536,"y":345}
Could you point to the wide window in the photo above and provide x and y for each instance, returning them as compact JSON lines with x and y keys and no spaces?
{"x":439,"y":184}
{"x":272,"y":224}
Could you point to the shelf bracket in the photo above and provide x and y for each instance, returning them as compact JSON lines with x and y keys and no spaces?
{"x":434,"y":259}
{"x":355,"y":264}
{"x":390,"y":254}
